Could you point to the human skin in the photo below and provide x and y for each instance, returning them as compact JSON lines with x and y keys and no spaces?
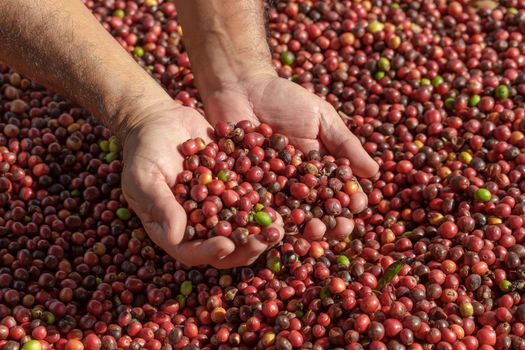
{"x":236,"y":81}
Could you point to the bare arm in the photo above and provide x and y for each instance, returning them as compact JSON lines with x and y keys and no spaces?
{"x":226,"y":41}
{"x":230,"y":57}
{"x":60,"y":44}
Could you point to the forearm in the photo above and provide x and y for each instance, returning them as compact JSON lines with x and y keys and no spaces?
{"x":226,"y":41}
{"x":61,"y":45}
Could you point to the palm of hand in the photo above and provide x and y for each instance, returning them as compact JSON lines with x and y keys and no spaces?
{"x":310,"y":122}
{"x":277,"y":102}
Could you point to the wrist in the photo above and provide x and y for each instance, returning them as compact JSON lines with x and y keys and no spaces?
{"x":231,"y":76}
{"x":134,"y":109}
{"x":226,"y":42}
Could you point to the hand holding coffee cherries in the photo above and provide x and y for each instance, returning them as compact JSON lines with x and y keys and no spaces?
{"x":152,"y":162}
{"x":311,"y":124}
{"x":243,"y":186}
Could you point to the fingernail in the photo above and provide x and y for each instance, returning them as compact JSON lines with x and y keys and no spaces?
{"x":222,"y":254}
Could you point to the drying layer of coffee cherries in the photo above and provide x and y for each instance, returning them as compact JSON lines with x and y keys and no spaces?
{"x":435,"y":92}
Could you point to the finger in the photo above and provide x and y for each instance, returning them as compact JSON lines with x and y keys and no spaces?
{"x":158,"y":210}
{"x":358,"y":202}
{"x":202,"y":252}
{"x":342,"y":143}
{"x":343,"y":228}
{"x":247,"y":254}
{"x":190,"y":253}
{"x":314,"y":230}
{"x":484,"y":4}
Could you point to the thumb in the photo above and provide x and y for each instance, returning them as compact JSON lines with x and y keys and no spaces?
{"x":340,"y":142}
{"x":164,"y":220}
{"x":151,"y":198}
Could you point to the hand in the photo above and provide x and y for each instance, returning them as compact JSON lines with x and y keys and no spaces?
{"x":310,"y":123}
{"x":152,"y":162}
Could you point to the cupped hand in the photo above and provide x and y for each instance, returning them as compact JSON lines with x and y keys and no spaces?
{"x":309,"y":122}
{"x":152,"y":162}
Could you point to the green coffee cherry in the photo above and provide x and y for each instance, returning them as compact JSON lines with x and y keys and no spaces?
{"x":186,"y":288}
{"x":287,"y":58}
{"x":483,"y":195}
{"x":138,"y":51}
{"x":123,"y":214}
{"x":502,"y":92}
{"x":263,"y":218}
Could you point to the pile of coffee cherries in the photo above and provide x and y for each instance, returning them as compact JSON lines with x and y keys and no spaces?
{"x":434,"y":89}
{"x":233,"y":187}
